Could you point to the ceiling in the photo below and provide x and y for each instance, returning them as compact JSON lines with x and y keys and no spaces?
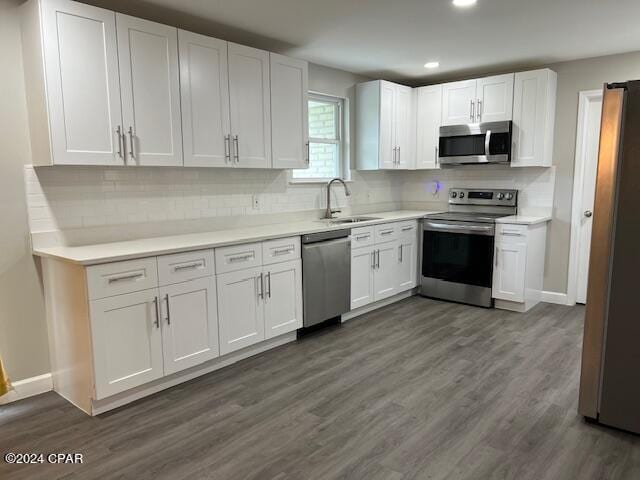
{"x":394,"y":38}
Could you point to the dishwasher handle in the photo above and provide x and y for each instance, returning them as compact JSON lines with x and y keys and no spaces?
{"x":324,"y":243}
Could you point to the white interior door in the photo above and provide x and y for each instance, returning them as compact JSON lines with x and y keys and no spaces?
{"x":289,"y":112}
{"x":283,"y":298}
{"x":459,"y":102}
{"x":127,"y":341}
{"x":495,"y":98}
{"x":204,"y":90}
{"x":149,"y":79}
{"x":429,"y":118}
{"x":240,"y":309}
{"x":83,"y":85}
{"x":250,"y":98}
{"x":361,"y":276}
{"x":387,"y":127}
{"x":403,"y":125}
{"x":189,"y":324}
{"x":588,"y":145}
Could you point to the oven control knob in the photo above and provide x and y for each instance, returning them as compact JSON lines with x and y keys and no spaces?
{"x":454,"y":194}
{"x":461,"y":194}
{"x":500,"y":196}
{"x":509,"y":196}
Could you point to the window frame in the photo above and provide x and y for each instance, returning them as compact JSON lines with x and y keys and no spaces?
{"x":341,"y":139}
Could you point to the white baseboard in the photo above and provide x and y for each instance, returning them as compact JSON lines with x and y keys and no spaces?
{"x":555,"y":297}
{"x":28,"y":388}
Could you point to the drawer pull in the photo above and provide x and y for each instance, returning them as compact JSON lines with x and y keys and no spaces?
{"x":362,"y":237}
{"x":188,"y":266}
{"x":512,"y":234}
{"x":406,"y":229}
{"x":241,"y":257}
{"x":386,"y":232}
{"x":133,"y":276}
{"x":283,"y":251}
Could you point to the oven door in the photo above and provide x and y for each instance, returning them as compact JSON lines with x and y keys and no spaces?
{"x":475,"y":143}
{"x":457,"y":261}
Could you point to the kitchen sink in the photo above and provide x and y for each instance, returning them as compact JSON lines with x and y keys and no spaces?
{"x":351,"y":219}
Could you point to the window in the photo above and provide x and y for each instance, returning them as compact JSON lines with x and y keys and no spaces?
{"x":326,"y":152}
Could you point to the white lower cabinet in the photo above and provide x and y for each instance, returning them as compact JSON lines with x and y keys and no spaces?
{"x":189,"y":324}
{"x":283,"y":298}
{"x":240,"y":309}
{"x":389,"y":266}
{"x":509,"y":271}
{"x":126,"y":340}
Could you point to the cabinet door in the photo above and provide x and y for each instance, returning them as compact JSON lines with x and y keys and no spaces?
{"x":533,"y":118}
{"x":289,"y":112}
{"x":458,"y":102}
{"x":250,"y":99}
{"x":189,"y":324}
{"x":385,"y":275}
{"x":403,"y":120}
{"x":408,"y":261}
{"x":240,"y":309}
{"x":283,"y":298}
{"x":204,"y":91}
{"x":149,"y":78}
{"x":495,"y":98}
{"x":362,"y":276}
{"x":387,"y":130}
{"x":509,"y":271}
{"x":83,"y":85}
{"x":429,"y":119}
{"x":127,"y":343}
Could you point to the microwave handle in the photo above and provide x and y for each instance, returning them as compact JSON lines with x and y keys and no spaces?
{"x":487,"y":143}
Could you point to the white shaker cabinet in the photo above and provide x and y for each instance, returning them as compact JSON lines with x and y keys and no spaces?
{"x":534,"y":109}
{"x":385,"y":274}
{"x":428,"y":120}
{"x":189,"y":324}
{"x":282,"y":298}
{"x":362,"y":265}
{"x":240,"y":309}
{"x":385,"y":126}
{"x":127,"y":341}
{"x":289,"y":112}
{"x":408,"y":256}
{"x":494,"y":101}
{"x":204,"y":90}
{"x":149,"y":79}
{"x":509,"y":271}
{"x":250,"y":104}
{"x":458,"y":102}
{"x":73,"y":84}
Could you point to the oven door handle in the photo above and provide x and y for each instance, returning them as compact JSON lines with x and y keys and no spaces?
{"x":451,"y":228}
{"x":487,"y":143}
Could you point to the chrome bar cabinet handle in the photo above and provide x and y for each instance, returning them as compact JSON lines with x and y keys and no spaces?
{"x":157,"y":305}
{"x":236,"y":155}
{"x":131,"y":147}
{"x":168,"y":310}
{"x":227,"y":148}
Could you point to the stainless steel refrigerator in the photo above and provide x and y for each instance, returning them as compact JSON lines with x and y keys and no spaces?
{"x":610,"y":377}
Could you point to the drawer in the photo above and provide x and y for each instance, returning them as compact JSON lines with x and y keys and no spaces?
{"x":510,"y":233}
{"x":408,"y":229}
{"x":361,"y":237}
{"x":181,"y":267}
{"x":116,"y":278}
{"x":386,"y":232}
{"x":280,"y":250}
{"x":238,"y":257}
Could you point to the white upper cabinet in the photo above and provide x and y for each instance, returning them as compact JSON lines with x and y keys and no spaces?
{"x":495,"y":98}
{"x":428,"y":120}
{"x":385,"y":126}
{"x":534,"y":109}
{"x":250,"y":98}
{"x":149,"y":78}
{"x":79,"y":84}
{"x":458,"y":102}
{"x":204,"y":90}
{"x":289,"y":112}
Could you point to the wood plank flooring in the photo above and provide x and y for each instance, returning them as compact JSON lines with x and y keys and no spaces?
{"x":417,"y":390}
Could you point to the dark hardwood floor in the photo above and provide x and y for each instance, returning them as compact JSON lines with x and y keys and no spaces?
{"x":417,"y":390}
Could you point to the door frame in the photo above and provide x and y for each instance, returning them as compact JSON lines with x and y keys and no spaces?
{"x":585,"y":97}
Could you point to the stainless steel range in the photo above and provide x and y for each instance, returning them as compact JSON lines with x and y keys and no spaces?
{"x":458,"y":246}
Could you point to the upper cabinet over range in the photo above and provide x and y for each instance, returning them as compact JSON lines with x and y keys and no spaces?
{"x":110,"y":89}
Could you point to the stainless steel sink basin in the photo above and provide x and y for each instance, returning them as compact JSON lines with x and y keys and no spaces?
{"x":351,"y":219}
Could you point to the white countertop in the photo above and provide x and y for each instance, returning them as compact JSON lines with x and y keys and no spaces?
{"x":524,"y":219}
{"x":147,"y":247}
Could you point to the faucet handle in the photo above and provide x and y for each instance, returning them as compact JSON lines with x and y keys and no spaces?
{"x":335,"y":210}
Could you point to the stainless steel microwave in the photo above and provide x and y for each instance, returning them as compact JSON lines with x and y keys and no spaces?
{"x":475,"y":143}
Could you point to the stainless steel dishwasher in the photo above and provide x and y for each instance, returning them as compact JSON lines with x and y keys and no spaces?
{"x":326,"y":275}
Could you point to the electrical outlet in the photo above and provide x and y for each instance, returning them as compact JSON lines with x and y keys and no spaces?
{"x":256,"y":202}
